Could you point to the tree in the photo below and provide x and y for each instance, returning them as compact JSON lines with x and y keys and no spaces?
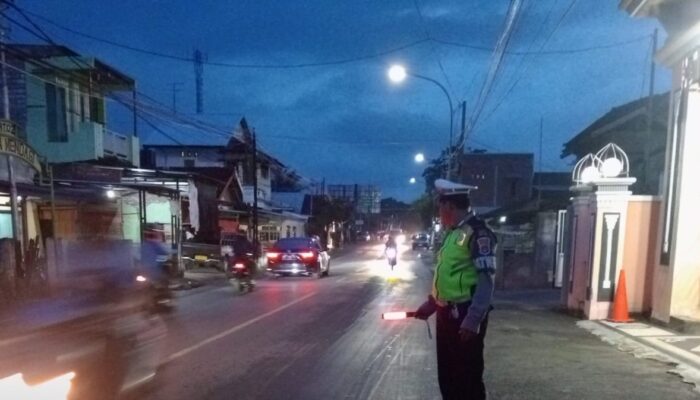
{"x":425,"y":208}
{"x":326,"y":211}
{"x":436,"y":169}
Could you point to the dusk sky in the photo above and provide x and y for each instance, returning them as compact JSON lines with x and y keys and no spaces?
{"x":346,"y":122}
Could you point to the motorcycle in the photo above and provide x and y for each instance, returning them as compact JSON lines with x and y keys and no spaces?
{"x":239,"y":272}
{"x":391,"y":256}
{"x":160,"y":297}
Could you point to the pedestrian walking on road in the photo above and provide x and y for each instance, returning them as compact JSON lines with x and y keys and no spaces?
{"x":462,"y":291}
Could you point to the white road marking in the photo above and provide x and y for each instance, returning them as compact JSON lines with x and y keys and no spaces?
{"x":234,"y":329}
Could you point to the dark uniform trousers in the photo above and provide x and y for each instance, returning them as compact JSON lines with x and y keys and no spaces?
{"x":460,"y":364}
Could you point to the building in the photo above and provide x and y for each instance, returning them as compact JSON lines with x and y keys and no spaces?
{"x":57,"y":98}
{"x":675,"y":254}
{"x":231,"y":165}
{"x":551,"y":185}
{"x":633,"y":128}
{"x":502,"y":179}
{"x":366,"y":199}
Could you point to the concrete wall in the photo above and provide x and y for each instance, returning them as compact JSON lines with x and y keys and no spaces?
{"x":685,"y":255}
{"x":639,"y":260}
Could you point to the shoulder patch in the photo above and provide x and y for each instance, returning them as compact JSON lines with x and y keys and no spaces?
{"x":484,"y":245}
{"x":461,"y":239}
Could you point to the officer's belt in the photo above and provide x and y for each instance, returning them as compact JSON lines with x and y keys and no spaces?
{"x":443,"y":304}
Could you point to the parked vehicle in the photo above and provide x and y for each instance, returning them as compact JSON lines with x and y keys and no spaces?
{"x":420,"y":240}
{"x":197,"y":255}
{"x":298,"y":256}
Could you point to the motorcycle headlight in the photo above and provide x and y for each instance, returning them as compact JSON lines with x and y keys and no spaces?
{"x":54,"y":389}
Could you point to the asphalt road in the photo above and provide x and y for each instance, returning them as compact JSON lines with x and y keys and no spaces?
{"x":305,"y":338}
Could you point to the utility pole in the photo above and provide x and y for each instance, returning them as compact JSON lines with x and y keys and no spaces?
{"x":255,"y":189}
{"x":177,"y":87}
{"x":10,"y":166}
{"x":199,"y":59}
{"x":650,"y":111}
{"x":463,"y":135}
{"x":539,"y":166}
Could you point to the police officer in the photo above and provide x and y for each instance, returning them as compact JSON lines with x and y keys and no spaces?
{"x":462,"y":290}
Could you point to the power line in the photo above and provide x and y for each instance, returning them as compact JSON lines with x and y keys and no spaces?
{"x":316,"y":64}
{"x":546,"y":52}
{"x":429,"y":37}
{"x":348,"y":60}
{"x":527,"y":68}
{"x":496,"y":63}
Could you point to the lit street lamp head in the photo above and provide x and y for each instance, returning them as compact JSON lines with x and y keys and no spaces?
{"x":412,"y":181}
{"x":397,"y":73}
{"x":419,"y":158}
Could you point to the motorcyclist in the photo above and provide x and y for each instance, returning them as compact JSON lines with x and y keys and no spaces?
{"x":154,"y":254}
{"x":390,"y":250}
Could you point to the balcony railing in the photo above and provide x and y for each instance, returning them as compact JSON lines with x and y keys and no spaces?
{"x":116,"y":144}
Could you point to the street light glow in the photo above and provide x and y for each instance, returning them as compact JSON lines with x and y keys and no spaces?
{"x":111,"y":194}
{"x":412,"y":180}
{"x":419,"y":158}
{"x":397,"y":73}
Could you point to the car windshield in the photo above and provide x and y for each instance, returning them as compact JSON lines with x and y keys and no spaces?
{"x":291,"y":244}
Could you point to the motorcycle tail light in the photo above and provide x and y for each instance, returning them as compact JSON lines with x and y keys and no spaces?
{"x":238,"y":266}
{"x":272,"y":254}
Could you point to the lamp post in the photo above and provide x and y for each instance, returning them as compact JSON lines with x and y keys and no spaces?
{"x":398,"y":74}
{"x":419,"y":158}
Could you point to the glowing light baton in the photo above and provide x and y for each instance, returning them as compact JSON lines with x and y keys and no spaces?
{"x":397,"y":315}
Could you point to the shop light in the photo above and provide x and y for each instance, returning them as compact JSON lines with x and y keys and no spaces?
{"x":111,"y":194}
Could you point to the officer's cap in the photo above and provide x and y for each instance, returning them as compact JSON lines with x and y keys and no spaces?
{"x":443,"y":188}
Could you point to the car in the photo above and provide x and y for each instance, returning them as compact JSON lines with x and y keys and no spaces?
{"x":420,"y":240}
{"x":298,"y":256}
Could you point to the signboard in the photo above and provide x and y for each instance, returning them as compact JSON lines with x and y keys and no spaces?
{"x":8,"y":128}
{"x":10,"y":144}
{"x":88,"y":173}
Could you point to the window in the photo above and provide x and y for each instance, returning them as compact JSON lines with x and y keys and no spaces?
{"x":269,"y":233}
{"x":97,"y":110}
{"x":189,"y":162}
{"x":289,"y":231}
{"x":56,"y":125}
{"x":264,"y":171}
{"x":71,"y":109}
{"x":294,"y":231}
{"x":83,"y":108}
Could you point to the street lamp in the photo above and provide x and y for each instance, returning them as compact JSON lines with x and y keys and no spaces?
{"x":398,"y":73}
{"x":419,"y":158}
{"x":412,"y":180}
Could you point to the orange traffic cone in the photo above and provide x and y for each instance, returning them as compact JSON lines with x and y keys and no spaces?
{"x":620,"y":311}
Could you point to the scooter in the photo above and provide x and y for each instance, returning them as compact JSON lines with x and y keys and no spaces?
{"x":239,"y":273}
{"x":391,"y":256}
